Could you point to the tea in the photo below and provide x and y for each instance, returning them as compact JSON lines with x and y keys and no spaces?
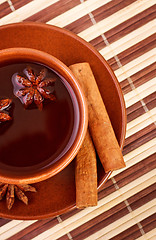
{"x":34,"y":138}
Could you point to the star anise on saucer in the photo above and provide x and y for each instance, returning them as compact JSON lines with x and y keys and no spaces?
{"x":11,"y":190}
{"x":4,"y":104}
{"x":34,"y":88}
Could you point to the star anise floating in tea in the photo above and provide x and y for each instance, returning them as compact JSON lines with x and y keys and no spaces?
{"x":35,"y":88}
{"x":11,"y":190}
{"x":4,"y":105}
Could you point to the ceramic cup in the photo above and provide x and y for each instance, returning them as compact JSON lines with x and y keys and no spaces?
{"x":22,"y":175}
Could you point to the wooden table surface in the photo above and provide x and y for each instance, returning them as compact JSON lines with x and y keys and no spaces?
{"x":123,"y":31}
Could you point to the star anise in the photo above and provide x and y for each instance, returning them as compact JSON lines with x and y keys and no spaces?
{"x":34,"y":88}
{"x":10,"y":190}
{"x":4,"y":104}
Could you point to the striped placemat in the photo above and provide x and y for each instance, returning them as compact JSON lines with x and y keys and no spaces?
{"x":124,"y":33}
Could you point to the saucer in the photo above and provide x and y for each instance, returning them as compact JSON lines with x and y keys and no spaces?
{"x":57,"y":194}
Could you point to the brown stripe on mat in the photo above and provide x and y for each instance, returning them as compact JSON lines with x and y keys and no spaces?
{"x":139,"y":138}
{"x":125,"y":86}
{"x":150,"y":98}
{"x":131,"y":24}
{"x":110,"y":8}
{"x":132,"y":232}
{"x":137,"y":109}
{"x":98,"y":43}
{"x":106,"y":185}
{"x":100,"y":222}
{"x":140,"y":195}
{"x":150,"y":101}
{"x":69,"y":214}
{"x":144,"y":78}
{"x":79,"y":25}
{"x":116,"y":213}
{"x":139,"y":78}
{"x":128,"y":26}
{"x":65,"y":237}
{"x":138,"y":200}
{"x":149,"y":223}
{"x":137,"y":170}
{"x":19,"y":3}
{"x":135,"y":235}
{"x":112,"y":215}
{"x":34,"y":229}
{"x":53,"y":11}
{"x":3,"y":221}
{"x":100,"y":13}
{"x":107,"y":190}
{"x":133,"y":52}
{"x":142,"y":201}
{"x":4,"y":9}
{"x":139,"y":134}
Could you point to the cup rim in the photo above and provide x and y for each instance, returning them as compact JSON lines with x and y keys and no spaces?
{"x":34,"y":55}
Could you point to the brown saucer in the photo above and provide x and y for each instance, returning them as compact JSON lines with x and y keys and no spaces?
{"x":57,"y":194}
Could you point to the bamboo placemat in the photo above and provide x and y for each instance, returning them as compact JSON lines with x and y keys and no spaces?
{"x":124,"y":33}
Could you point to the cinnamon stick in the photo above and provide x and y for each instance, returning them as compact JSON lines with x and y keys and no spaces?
{"x":99,"y":123}
{"x":86,"y":175}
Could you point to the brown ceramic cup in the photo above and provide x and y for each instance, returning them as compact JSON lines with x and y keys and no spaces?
{"x":14,"y":55}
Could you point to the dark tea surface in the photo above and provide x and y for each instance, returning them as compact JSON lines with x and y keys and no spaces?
{"x":34,"y":138}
